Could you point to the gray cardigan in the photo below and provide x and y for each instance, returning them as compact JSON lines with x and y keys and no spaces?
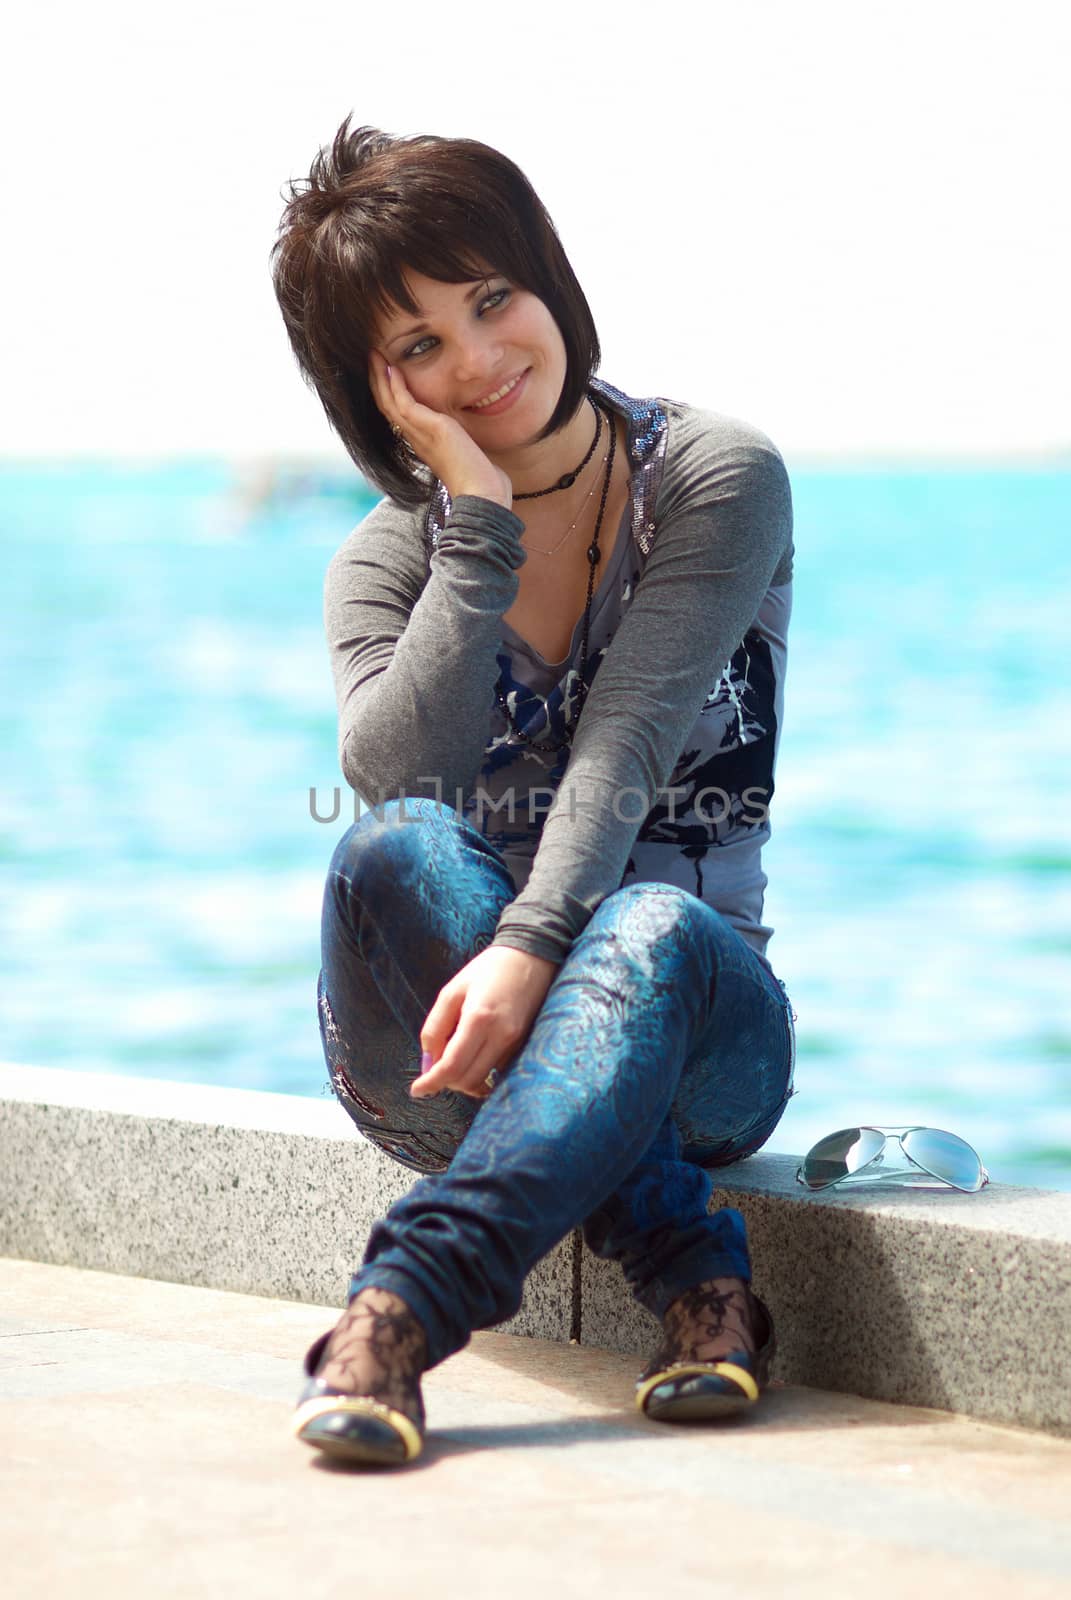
{"x":413,"y":604}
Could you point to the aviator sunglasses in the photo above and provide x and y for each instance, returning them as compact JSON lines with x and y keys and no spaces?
{"x":850,"y":1151}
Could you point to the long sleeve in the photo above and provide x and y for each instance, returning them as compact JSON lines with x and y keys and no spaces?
{"x":413,"y":653}
{"x":724,"y":521}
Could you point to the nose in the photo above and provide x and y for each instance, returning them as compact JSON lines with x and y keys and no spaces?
{"x":476,"y":356}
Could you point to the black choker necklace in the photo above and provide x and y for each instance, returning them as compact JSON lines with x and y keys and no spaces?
{"x":594,"y":554}
{"x":569,"y":478}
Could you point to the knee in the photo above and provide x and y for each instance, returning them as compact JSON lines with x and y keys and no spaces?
{"x":649,"y":912}
{"x":660,"y":929}
{"x":385,"y":836}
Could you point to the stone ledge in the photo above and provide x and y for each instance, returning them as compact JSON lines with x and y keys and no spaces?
{"x":260,"y":1193}
{"x":923,"y":1296}
{"x":926,"y":1297}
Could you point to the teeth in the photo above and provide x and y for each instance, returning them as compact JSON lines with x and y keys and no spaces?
{"x":491,"y":398}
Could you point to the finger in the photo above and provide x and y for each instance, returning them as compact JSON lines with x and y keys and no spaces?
{"x":435,"y":1079}
{"x":411,"y":411}
{"x":484,"y":1089}
{"x":463,"y":1067}
{"x":378,"y":388}
{"x":441,"y":1021}
{"x":474,"y":1085}
{"x":474,"y":1081}
{"x":407,"y":417}
{"x":379,"y":383}
{"x":401,"y":403}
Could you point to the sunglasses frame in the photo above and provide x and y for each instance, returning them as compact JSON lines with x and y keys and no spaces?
{"x":892,"y":1174}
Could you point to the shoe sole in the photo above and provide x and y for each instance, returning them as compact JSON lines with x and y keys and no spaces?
{"x":704,"y":1391}
{"x":352,"y":1450}
{"x":359,"y":1429}
{"x":698,"y":1408}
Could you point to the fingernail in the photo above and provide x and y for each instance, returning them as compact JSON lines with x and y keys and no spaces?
{"x":390,"y":370}
{"x":425,"y":1061}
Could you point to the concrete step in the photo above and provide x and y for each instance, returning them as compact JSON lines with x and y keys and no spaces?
{"x":923,"y":1296}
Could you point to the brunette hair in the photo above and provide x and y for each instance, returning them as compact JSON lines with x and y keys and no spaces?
{"x":374,"y":205}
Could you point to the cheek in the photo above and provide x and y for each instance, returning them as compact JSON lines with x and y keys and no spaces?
{"x":423,"y":388}
{"x":554,"y":342}
{"x":538,"y":327}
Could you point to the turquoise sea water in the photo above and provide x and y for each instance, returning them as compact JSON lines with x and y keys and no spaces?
{"x":169,"y":706}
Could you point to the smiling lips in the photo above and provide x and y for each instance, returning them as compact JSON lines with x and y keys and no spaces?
{"x":499,"y":399}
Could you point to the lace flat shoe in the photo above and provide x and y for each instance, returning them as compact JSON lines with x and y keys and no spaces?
{"x":354,"y":1427}
{"x":674,"y":1389}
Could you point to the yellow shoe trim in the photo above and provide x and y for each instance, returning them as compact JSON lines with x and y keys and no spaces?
{"x":722,"y":1369}
{"x":362,"y":1405}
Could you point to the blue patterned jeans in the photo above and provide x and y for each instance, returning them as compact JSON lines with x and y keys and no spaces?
{"x":664,"y":1045}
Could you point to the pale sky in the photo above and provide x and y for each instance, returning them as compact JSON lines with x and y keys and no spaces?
{"x":847,"y":224}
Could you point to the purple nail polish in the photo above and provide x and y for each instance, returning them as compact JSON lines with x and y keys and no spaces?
{"x":425,"y":1061}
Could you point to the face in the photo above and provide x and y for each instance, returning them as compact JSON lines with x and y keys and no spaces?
{"x":469,"y":342}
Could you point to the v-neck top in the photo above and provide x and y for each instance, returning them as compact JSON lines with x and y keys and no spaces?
{"x":670,"y":773}
{"x":604,"y":583}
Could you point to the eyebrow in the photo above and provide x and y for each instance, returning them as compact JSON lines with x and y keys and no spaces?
{"x":420,"y":326}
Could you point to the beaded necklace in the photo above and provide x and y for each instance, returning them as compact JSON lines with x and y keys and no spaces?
{"x":593,"y":554}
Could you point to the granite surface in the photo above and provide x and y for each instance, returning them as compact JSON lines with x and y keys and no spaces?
{"x":146,"y":1449}
{"x":922,"y":1296}
{"x":191,"y":1190}
{"x":925,"y":1297}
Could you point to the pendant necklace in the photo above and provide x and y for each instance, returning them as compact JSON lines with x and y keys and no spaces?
{"x":593,"y":554}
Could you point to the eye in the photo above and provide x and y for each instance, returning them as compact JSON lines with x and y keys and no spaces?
{"x":416,"y":349}
{"x":490,"y":302}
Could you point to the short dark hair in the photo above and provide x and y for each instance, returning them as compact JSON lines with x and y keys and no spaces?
{"x":374,"y":205}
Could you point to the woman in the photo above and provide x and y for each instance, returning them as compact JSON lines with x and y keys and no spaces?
{"x":558,"y":650}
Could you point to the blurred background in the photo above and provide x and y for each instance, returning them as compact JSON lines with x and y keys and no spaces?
{"x":849,"y":228}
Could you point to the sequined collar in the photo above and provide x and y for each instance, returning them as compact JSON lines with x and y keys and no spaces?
{"x":646,"y":435}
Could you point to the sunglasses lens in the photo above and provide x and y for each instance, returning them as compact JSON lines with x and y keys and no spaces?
{"x":838,"y":1154}
{"x":946,"y":1156}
